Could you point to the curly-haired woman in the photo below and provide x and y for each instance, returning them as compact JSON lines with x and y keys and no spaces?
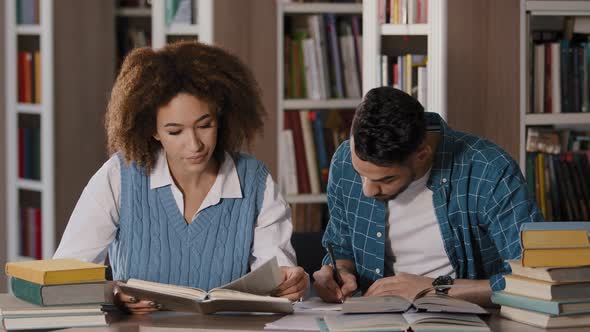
{"x":177,"y":203}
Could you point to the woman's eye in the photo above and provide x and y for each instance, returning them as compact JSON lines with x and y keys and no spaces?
{"x":208,"y":125}
{"x":174,"y":133}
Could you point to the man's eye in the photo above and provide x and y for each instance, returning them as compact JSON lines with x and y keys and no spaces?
{"x":174,"y":133}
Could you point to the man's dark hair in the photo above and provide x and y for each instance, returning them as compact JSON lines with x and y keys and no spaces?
{"x":388,"y":126}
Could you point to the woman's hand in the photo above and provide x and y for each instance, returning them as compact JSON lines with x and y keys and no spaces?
{"x":295,"y":283}
{"x":131,"y":304}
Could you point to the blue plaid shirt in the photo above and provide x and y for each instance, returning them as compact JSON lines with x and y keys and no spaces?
{"x":480,"y":199}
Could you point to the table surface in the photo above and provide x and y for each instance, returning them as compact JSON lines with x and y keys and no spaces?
{"x":184,"y":322}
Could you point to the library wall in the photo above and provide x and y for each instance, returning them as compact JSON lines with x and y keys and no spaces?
{"x":3,"y":252}
{"x":252,"y":37}
{"x":483,"y":70}
{"x":84,"y":71}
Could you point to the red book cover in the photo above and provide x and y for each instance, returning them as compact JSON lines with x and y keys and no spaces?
{"x":38,"y":234}
{"x":293,"y":122}
{"x":27,"y":74}
{"x":24,"y":232}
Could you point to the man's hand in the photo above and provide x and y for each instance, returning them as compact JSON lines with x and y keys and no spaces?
{"x":295,"y":283}
{"x":403,"y":284}
{"x":327,"y":288}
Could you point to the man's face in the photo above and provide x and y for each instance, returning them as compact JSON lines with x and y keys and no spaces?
{"x":383,"y":182}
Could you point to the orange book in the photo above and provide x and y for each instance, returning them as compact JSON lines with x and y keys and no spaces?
{"x":561,"y":257}
{"x":37,"y":77}
{"x":56,"y":271}
{"x":27,"y":81}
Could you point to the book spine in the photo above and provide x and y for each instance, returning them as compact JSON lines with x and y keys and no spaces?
{"x":27,"y":291}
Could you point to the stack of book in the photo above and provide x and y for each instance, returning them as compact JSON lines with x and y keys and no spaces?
{"x":53,"y":294}
{"x":550,"y":286}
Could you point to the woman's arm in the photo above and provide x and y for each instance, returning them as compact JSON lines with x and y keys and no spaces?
{"x":272,"y":235}
{"x":93,"y":223}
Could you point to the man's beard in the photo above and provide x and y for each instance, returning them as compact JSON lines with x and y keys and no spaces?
{"x":385,"y":198}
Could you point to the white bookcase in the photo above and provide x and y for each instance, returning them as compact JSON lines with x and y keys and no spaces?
{"x":293,"y":105}
{"x":203,"y":29}
{"x":376,"y":36}
{"x":43,"y":33}
{"x":529,"y":9}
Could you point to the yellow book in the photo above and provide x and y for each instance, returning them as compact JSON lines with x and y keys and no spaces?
{"x":56,"y":271}
{"x":561,"y":257}
{"x":556,"y":239}
{"x":37,"y":59}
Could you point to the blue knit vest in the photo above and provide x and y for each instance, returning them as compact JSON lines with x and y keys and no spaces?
{"x":154,"y":242}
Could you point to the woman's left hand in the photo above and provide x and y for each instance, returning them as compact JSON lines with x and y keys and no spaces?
{"x":295,"y":283}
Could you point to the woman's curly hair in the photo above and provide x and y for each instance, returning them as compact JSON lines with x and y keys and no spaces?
{"x":150,"y":79}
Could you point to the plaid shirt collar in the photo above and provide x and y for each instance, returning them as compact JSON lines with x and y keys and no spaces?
{"x":443,"y":159}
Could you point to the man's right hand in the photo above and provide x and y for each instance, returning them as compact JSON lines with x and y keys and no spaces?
{"x":327,"y":288}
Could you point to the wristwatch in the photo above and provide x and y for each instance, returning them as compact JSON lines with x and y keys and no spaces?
{"x":445,"y":280}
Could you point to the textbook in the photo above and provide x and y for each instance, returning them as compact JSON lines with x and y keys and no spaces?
{"x":250,"y":293}
{"x":557,"y":257}
{"x":546,"y":290}
{"x":545,"y":321}
{"x":557,"y":307}
{"x":20,"y":315}
{"x":64,"y":294}
{"x":417,"y":321}
{"x":56,"y":271}
{"x":545,"y":235}
{"x":394,"y":303}
{"x":552,"y":274}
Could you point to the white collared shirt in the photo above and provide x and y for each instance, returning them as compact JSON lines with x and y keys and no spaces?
{"x":93,"y":223}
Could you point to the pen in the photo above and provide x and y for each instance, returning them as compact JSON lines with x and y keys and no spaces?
{"x":335,"y":272}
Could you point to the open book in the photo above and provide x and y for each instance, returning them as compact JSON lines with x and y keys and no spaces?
{"x":422,"y":302}
{"x":421,"y":321}
{"x":250,"y":293}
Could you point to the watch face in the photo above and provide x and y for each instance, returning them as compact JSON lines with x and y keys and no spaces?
{"x":443,"y":280}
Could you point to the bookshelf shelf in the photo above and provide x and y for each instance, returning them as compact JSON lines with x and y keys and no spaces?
{"x":298,"y":104}
{"x":29,"y":108}
{"x":182,"y":30}
{"x":558,"y":8}
{"x":33,"y":29}
{"x":134,"y":12}
{"x":557,"y":119}
{"x":405,"y":29}
{"x":32,"y":185}
{"x":307,"y":199}
{"x":320,"y":8}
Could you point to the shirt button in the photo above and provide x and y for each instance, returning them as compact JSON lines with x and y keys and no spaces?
{"x":444,"y":180}
{"x":379,"y":234}
{"x":377,"y":270}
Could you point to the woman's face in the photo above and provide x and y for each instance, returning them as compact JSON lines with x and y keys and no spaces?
{"x":187,"y":129}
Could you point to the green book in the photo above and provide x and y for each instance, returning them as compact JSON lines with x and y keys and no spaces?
{"x":61,"y":294}
{"x":559,"y":307}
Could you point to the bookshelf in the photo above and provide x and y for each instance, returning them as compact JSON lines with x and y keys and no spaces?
{"x":202,"y":29}
{"x":288,"y":13}
{"x":428,"y":38}
{"x":61,"y":102}
{"x":133,"y":26}
{"x":549,"y":103}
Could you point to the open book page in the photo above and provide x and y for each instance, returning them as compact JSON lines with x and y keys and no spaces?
{"x":420,"y":321}
{"x":261,"y":281}
{"x":371,"y":322}
{"x":181,"y":291}
{"x":445,"y":303}
{"x":228,"y":294}
{"x":373,"y":304}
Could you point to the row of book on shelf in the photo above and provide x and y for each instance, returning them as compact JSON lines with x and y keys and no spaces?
{"x":322,"y":56}
{"x":557,"y":170}
{"x":309,"y":218}
{"x":29,"y":77}
{"x":408,"y":73}
{"x":308,"y":141}
{"x":27,"y":11}
{"x":29,"y":153}
{"x":403,"y":11}
{"x":550,"y":286}
{"x":30,"y":232}
{"x":51,"y":294}
{"x":558,"y":73}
